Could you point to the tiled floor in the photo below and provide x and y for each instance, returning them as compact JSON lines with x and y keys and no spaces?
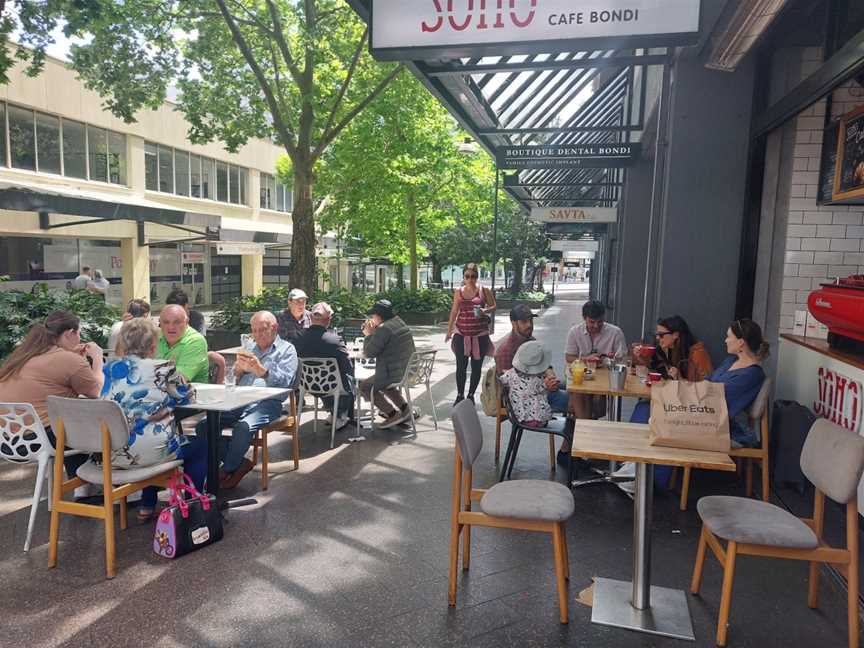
{"x":352,"y":550}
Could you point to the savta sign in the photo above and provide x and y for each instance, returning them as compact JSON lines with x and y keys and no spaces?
{"x":574,"y":214}
{"x":447,"y":28}
{"x":839,"y":399}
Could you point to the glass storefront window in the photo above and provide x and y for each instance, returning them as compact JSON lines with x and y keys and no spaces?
{"x":166,"y":169}
{"x":22,"y":138}
{"x":151,"y":167}
{"x":97,"y":149}
{"x":117,"y":157}
{"x":221,"y":182}
{"x":181,"y":173}
{"x":195,"y":175}
{"x":48,"y":143}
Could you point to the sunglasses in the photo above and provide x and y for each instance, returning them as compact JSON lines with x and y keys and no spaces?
{"x":660,"y":335}
{"x":470,"y":276}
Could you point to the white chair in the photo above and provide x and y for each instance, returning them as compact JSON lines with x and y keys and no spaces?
{"x":320,"y":377}
{"x":97,"y":426}
{"x":418,"y":372}
{"x":23,"y":440}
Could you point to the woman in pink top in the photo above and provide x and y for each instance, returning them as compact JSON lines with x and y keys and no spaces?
{"x":52,"y":361}
{"x":471,"y":315}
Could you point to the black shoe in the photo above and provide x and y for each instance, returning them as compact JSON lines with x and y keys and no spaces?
{"x":471,"y":398}
{"x":459,"y":399}
{"x":563,"y":459}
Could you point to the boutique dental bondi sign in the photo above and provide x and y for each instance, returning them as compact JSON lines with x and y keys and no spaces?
{"x":414,"y":29}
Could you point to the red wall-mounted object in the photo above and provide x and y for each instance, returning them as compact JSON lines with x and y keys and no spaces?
{"x":840,"y":306}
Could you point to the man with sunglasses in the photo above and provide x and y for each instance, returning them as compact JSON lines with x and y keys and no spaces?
{"x":592,"y":339}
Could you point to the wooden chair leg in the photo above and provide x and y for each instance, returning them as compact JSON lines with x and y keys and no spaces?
{"x":558,"y":551}
{"x":766,"y":484}
{"x":852,"y":547}
{"x":123,"y":514}
{"x":565,"y":551}
{"x":454,"y":549}
{"x":497,"y":438}
{"x":466,"y":530}
{"x":726,"y":595}
{"x":295,"y":443}
{"x":53,"y":534}
{"x":696,"y":582}
{"x":813,"y":586}
{"x":685,"y":488}
{"x":110,"y":549}
{"x":265,"y":460}
{"x":255,"y":452}
{"x":551,"y":453}
{"x":749,"y":478}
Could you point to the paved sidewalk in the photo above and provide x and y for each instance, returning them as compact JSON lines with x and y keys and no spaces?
{"x":351,"y":550}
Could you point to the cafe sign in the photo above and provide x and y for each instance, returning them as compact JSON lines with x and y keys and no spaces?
{"x":574,"y":246}
{"x":567,"y":156}
{"x":839,"y":399}
{"x":574,"y":214}
{"x":436,"y":29}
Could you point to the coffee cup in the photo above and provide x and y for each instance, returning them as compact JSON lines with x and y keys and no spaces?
{"x":655,"y":377}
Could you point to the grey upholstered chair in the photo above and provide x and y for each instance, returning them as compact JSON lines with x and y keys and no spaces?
{"x":833,"y":460}
{"x":757,"y":417}
{"x":97,"y":426}
{"x":526,"y":504}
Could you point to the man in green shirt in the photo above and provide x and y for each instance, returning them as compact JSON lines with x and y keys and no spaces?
{"x":182,"y":344}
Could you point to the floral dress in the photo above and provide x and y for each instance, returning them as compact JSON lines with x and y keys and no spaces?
{"x":529,"y":397}
{"x":147,"y":391}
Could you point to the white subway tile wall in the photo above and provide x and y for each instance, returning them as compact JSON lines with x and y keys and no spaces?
{"x":822,"y":242}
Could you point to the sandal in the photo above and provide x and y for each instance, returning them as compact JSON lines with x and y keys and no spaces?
{"x":145,"y":514}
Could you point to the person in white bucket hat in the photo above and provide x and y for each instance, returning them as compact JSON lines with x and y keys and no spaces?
{"x":528,"y":393}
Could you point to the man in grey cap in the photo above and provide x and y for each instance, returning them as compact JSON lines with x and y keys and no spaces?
{"x":388,"y":340}
{"x":294,"y":320}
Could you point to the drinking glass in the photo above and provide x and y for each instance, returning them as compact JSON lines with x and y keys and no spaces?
{"x":230,"y":379}
{"x":246,"y":341}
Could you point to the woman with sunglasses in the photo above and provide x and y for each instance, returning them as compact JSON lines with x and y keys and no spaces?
{"x":52,"y":361}
{"x":678,"y":355}
{"x":470,"y":317}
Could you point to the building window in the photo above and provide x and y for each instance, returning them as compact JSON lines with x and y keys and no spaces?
{"x":208,"y":178}
{"x":195,"y":175}
{"x":97,"y":148}
{"x":48,"y":143}
{"x":22,"y":138}
{"x":3,"y":159}
{"x":74,"y":150}
{"x":221,"y":182}
{"x":166,"y":169}
{"x":181,"y":173}
{"x":275,"y":195}
{"x":244,"y":183}
{"x":117,"y":158}
{"x":234,"y":184}
{"x":151,"y":167}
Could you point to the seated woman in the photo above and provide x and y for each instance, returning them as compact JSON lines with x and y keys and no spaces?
{"x":529,"y":396}
{"x":147,"y":391}
{"x":742,"y":376}
{"x":52,"y":361}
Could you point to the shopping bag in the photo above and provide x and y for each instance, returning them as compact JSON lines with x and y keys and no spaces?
{"x":689,"y":415}
{"x":187,"y":523}
{"x":490,"y":399}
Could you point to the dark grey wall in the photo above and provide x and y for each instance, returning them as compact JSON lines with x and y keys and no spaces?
{"x":703,"y":205}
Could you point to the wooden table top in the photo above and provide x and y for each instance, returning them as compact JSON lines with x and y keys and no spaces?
{"x":633,"y":387}
{"x":629,"y":442}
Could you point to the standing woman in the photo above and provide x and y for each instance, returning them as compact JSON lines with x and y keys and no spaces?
{"x":470,"y":317}
{"x":52,"y":361}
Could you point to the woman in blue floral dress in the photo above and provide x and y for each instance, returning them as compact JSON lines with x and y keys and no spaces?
{"x":147,"y":391}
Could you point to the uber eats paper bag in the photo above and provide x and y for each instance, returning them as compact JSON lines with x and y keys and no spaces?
{"x":689,"y":415}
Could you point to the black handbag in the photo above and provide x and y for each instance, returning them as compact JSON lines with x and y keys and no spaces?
{"x":187,"y":523}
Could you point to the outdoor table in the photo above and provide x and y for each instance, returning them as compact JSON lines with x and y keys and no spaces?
{"x":216,"y":399}
{"x":637,"y":605}
{"x":599,"y":386}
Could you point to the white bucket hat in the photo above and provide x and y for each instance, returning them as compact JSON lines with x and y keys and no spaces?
{"x":531,"y":358}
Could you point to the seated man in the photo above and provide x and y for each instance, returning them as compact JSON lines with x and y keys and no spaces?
{"x":271,"y":363}
{"x":522,"y":321}
{"x":294,"y":320}
{"x":319,"y":342}
{"x":216,"y":370}
{"x":182,"y":344}
{"x":135,"y":308}
{"x":387,"y":339}
{"x":593,"y":339}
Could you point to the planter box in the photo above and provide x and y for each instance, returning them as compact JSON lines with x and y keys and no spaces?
{"x":222,"y":339}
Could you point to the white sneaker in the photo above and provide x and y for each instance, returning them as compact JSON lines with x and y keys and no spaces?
{"x":341,"y":422}
{"x":329,"y":420}
{"x":85,"y":490}
{"x":627,"y":469}
{"x":628,"y":487}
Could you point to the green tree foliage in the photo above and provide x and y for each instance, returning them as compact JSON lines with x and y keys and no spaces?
{"x":298,"y":71}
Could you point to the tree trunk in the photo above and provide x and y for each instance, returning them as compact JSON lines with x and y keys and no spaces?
{"x":303,"y":240}
{"x":436,"y":272}
{"x":400,"y":276}
{"x":518,"y":273}
{"x":412,"y":236}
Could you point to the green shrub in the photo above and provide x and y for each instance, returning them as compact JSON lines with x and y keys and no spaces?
{"x":526,"y":295}
{"x":427,"y":300}
{"x":19,"y":310}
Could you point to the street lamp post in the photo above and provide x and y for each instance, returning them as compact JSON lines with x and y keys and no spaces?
{"x":495,"y":231}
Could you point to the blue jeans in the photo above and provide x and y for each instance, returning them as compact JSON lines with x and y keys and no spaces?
{"x":194,"y":456}
{"x":558,"y":400}
{"x":245,"y":424}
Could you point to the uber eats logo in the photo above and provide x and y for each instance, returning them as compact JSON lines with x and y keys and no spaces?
{"x":690,"y":409}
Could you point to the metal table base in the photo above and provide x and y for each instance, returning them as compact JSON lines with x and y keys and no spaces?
{"x":638,"y":606}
